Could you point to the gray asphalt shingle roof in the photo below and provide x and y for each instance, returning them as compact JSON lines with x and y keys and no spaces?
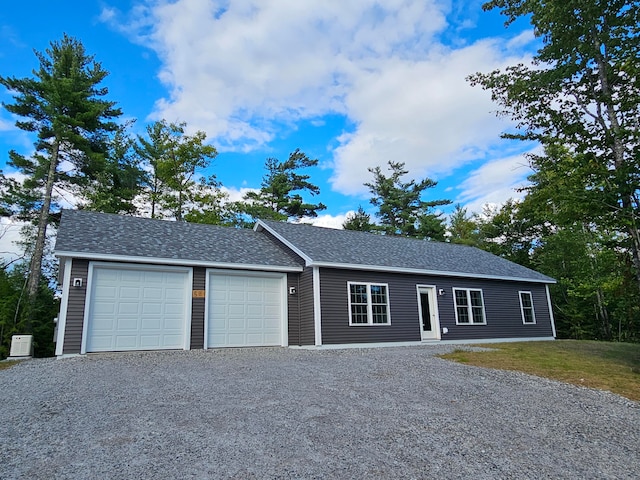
{"x":346,"y":247}
{"x":84,"y":232}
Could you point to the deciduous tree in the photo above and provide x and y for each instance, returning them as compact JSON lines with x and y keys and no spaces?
{"x":581,"y":93}
{"x":173,"y":159}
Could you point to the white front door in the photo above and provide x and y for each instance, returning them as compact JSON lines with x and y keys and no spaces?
{"x":245,"y":309}
{"x":428,"y":313}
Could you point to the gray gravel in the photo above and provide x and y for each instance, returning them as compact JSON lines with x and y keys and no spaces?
{"x":282,"y":413}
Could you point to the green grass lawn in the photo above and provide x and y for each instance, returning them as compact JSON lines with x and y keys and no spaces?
{"x":5,"y":365}
{"x":608,"y":366}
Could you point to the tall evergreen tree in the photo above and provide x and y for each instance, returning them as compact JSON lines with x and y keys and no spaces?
{"x":115,"y":189}
{"x":279,"y":197}
{"x":463,"y":228}
{"x":63,"y":105}
{"x":401,"y":210}
{"x":359,"y":220}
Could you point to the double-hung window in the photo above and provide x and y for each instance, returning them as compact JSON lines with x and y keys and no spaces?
{"x":469,"y":306}
{"x":526,"y":307}
{"x":368,"y":304}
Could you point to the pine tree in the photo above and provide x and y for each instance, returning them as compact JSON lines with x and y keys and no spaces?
{"x":62,"y":105}
{"x":401,"y":210}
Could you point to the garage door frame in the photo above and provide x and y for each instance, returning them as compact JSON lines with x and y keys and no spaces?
{"x":137,"y":266}
{"x":284,"y":324}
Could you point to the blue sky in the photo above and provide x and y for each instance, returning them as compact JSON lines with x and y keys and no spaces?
{"x":354,"y":84}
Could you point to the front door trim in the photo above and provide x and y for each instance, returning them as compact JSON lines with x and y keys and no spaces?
{"x":431,"y":292}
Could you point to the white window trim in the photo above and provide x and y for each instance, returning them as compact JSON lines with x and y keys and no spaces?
{"x":533,"y":310}
{"x":469,"y":307}
{"x":369,"y":305}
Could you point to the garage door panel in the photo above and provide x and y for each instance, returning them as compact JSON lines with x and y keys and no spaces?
{"x":244,"y":310}
{"x":107,"y":292}
{"x":128,"y":308}
{"x":106,"y":308}
{"x":174,"y":309}
{"x":127,"y":323}
{"x":235,"y":296}
{"x":125,"y":342}
{"x":174,"y":340}
{"x":151,"y":324}
{"x":171,"y":325}
{"x":150,"y":341}
{"x":255,"y":296}
{"x":132,"y":276}
{"x":174,"y":294}
{"x":235,"y":309}
{"x":153,"y":293}
{"x":137,"y":309}
{"x":103,"y":343}
{"x":151,"y":308}
{"x":256,"y":310}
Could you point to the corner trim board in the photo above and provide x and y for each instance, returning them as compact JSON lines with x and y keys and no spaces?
{"x":317,"y":313}
{"x":553,"y":320}
{"x":64,"y":305}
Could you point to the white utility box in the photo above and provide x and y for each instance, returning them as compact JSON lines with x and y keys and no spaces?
{"x":21,"y":346}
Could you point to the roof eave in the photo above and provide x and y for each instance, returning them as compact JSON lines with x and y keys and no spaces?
{"x":175,"y":261}
{"x":418,"y":271}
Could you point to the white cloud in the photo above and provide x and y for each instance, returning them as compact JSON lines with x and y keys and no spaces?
{"x":237,"y":194}
{"x":241,"y":69}
{"x":6,"y":125}
{"x":234,"y":67}
{"x":422,"y":113}
{"x":328,"y":221}
{"x":9,"y":235}
{"x":495,"y":182}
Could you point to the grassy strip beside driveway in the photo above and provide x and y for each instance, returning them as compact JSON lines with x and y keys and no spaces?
{"x":604,"y":365}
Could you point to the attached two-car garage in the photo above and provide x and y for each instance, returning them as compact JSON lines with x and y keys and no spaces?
{"x":134,"y":307}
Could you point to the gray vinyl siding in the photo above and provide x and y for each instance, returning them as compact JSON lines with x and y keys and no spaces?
{"x":502,"y":310}
{"x":75,"y":308}
{"x":307,"y":325}
{"x":293,"y":309}
{"x":501,"y":300}
{"x":197,"y":309}
{"x":301,"y":327}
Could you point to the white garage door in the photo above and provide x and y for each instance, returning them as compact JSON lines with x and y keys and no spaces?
{"x":244,"y":310}
{"x":137,"y":309}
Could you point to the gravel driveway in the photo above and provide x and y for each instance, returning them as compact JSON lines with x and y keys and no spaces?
{"x":281,"y":413}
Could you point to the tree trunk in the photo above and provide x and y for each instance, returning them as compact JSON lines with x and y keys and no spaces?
{"x":35,"y":268}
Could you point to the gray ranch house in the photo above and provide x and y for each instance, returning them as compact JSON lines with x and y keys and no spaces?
{"x":139,"y":284}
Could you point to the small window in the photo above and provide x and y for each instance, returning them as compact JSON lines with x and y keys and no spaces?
{"x":368,"y":304}
{"x":469,"y":306}
{"x":526,"y":307}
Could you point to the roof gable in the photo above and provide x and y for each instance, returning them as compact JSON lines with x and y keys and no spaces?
{"x":351,"y":249}
{"x":107,"y":236}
